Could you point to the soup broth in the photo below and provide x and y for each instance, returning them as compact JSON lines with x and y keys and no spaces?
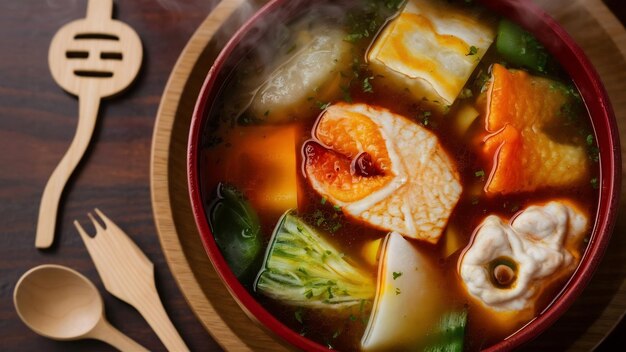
{"x":252,"y":150}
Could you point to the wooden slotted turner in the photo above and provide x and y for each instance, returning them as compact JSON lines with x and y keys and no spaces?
{"x":92,"y":58}
{"x":129,"y":275}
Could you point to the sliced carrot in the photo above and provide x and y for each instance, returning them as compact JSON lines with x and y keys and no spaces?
{"x":261,"y":162}
{"x":522,"y":156}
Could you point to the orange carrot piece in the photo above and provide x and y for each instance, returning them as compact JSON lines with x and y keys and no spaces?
{"x":522,"y":156}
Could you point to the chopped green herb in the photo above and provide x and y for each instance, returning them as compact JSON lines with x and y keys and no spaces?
{"x":346,"y":94}
{"x":353,"y":37}
{"x":323,"y":106}
{"x":298,"y":315}
{"x":335,"y":227}
{"x":336,"y":207}
{"x":594,"y":153}
{"x":396,"y":275}
{"x":472,"y":51}
{"x":352,"y":317}
{"x":397,"y":291}
{"x":367,"y":85}
{"x":466,"y":93}
{"x":323,"y":200}
{"x":594,"y":183}
{"x":480,"y":173}
{"x":308,"y":294}
{"x":590,"y":139}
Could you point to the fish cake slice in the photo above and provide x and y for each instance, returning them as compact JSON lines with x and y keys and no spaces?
{"x":383,"y":169}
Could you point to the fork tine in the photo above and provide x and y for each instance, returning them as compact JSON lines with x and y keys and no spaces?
{"x":96,"y":224}
{"x":82,"y":232}
{"x":110,"y":225}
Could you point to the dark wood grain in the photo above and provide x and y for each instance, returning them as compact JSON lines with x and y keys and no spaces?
{"x":37,"y":122}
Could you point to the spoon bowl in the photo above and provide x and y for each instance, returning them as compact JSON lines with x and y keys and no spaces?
{"x":60,"y":303}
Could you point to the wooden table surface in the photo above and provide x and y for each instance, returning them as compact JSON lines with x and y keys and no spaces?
{"x":37,"y":121}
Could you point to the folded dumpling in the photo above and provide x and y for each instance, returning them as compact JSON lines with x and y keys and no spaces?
{"x":508,"y":264}
{"x":383,"y":169}
{"x":432,"y":48}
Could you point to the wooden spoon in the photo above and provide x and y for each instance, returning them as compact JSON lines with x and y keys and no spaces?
{"x":93,"y":58}
{"x":60,"y":303}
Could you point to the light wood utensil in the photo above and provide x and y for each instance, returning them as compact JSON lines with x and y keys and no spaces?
{"x":129,"y":275}
{"x":92,"y":58}
{"x":60,"y":303}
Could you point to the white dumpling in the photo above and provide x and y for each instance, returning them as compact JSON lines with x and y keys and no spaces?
{"x":408,"y":300}
{"x":541,"y":242}
{"x":313,"y":74}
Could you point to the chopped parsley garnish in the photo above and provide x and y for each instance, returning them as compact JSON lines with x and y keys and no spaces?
{"x":367,"y":85}
{"x":480,"y":173}
{"x":365,"y":20}
{"x":298,"y":315}
{"x":323,"y":201}
{"x":323,"y":106}
{"x":397,"y":291}
{"x":336,"y":207}
{"x":472,"y":51}
{"x":396,"y":275}
{"x":346,"y":94}
{"x":466,"y":94}
{"x":594,"y":183}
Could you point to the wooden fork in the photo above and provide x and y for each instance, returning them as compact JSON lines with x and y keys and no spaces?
{"x":129,"y":275}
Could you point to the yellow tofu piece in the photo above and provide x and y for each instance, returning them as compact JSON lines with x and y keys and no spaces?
{"x":432,"y":48}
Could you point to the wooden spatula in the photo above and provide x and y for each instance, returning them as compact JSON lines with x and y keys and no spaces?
{"x":93,"y":58}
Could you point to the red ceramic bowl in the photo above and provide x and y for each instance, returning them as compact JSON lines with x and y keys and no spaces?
{"x":560,"y":45}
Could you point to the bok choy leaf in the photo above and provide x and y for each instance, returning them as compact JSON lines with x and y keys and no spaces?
{"x":237,"y":231}
{"x":302,"y":269}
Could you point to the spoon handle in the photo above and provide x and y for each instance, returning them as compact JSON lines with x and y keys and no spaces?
{"x":87,"y":114}
{"x":106,"y":332}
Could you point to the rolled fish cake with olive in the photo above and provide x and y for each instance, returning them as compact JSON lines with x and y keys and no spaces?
{"x":382,"y":169}
{"x":507,"y":265}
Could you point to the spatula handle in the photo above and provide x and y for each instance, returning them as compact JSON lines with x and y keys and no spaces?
{"x":88,"y":112}
{"x":153,"y":311}
{"x":102,"y":9}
